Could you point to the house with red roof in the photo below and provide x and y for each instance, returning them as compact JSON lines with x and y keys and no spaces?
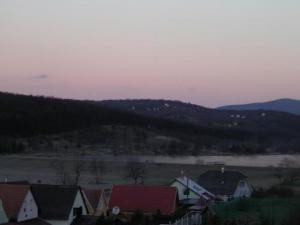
{"x":147,"y":199}
{"x":95,"y":201}
{"x":18,"y":202}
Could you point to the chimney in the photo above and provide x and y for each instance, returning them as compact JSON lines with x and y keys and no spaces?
{"x":222,"y":170}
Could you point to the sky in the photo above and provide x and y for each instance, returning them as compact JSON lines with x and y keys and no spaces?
{"x":207,"y":52}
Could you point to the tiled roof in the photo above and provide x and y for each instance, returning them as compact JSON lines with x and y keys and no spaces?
{"x":12,"y":198}
{"x":221,"y":183}
{"x":148,"y":199}
{"x":93,"y":196}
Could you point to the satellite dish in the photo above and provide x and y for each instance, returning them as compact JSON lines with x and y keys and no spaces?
{"x":116,"y":211}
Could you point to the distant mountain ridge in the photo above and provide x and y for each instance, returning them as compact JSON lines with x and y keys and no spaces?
{"x":282,"y":105}
{"x":38,"y":124}
{"x":263,"y":122}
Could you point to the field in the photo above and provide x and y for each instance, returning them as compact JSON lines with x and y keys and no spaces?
{"x":45,"y":170}
{"x":274,"y":210}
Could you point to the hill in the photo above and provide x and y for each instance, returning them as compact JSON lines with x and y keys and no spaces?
{"x":283,"y":105}
{"x":260,"y":122}
{"x":43,"y":124}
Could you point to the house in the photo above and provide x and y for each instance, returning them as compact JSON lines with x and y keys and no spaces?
{"x":18,"y":202}
{"x":3,"y":217}
{"x":190,"y":191}
{"x":147,"y":199}
{"x":95,"y":201}
{"x":59,"y":204}
{"x":225,"y":185}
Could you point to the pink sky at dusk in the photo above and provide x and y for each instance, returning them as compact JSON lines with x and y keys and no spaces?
{"x":206,"y":52}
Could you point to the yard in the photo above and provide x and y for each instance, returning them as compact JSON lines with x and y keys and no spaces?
{"x":271,"y":210}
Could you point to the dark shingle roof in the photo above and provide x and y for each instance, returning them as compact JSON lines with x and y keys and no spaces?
{"x":54,"y":201}
{"x":220,"y":183}
{"x":93,"y":196}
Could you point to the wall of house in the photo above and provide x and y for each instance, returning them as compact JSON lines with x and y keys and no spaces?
{"x":102,"y":207}
{"x":78,"y":202}
{"x":3,"y":217}
{"x":180,"y":190}
{"x":29,"y":209}
{"x":243,"y":190}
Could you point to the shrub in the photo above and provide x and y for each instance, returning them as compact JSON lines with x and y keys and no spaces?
{"x":281,"y":191}
{"x":242,"y":205}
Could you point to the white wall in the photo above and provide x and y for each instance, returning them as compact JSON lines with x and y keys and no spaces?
{"x":180,"y":190}
{"x":79,"y":202}
{"x":243,"y":190}
{"x":29,"y":209}
{"x":3,"y":217}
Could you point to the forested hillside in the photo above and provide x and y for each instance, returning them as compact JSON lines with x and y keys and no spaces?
{"x":43,"y":124}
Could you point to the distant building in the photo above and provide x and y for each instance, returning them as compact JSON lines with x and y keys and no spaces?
{"x":190,"y":192}
{"x":59,"y":204}
{"x":147,"y":199}
{"x":18,"y":202}
{"x":95,"y":201}
{"x":226,"y":185}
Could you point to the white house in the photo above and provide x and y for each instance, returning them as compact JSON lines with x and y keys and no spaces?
{"x":226,"y":185}
{"x":59,"y":204}
{"x":188,"y":189}
{"x":18,"y":202}
{"x":95,"y":201}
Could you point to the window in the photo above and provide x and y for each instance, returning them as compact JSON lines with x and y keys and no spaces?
{"x":77,"y":211}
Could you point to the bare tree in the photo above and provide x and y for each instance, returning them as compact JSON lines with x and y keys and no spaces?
{"x":62,"y":170}
{"x":98,"y":169}
{"x":292,"y":173}
{"x":136,"y":171}
{"x":78,"y":167}
{"x":279,"y":175}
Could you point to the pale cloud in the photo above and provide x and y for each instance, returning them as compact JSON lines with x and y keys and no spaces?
{"x":40,"y":77}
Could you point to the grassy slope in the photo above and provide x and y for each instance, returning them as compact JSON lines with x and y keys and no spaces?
{"x":275,"y":209}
